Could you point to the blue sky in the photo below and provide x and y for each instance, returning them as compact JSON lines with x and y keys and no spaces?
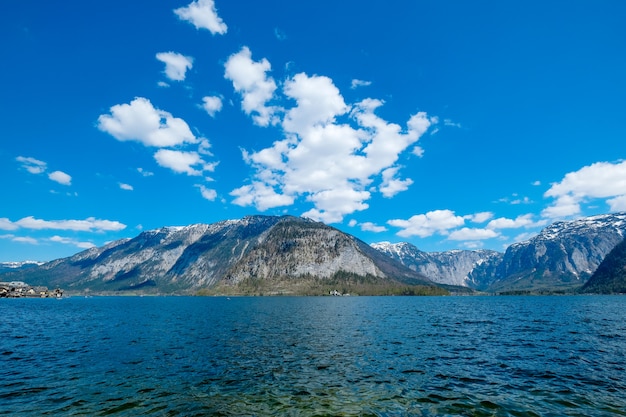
{"x":447,"y":124}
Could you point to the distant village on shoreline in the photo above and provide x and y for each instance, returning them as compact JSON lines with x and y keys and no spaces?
{"x":18,"y":289}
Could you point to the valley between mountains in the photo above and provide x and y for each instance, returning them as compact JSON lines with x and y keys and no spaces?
{"x":274,"y":255}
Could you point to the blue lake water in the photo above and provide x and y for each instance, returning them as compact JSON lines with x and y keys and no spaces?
{"x":304,"y":356}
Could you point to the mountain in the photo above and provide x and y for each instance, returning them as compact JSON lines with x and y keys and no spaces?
{"x":454,"y":267}
{"x":16,"y":266}
{"x":610,"y":277}
{"x":257,"y":254}
{"x":562,"y":257}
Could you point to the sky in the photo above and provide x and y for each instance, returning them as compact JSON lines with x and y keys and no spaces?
{"x":448,"y":124}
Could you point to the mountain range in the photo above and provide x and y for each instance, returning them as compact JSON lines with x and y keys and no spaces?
{"x":562,"y":257}
{"x":292,"y":255}
{"x":254,"y":255}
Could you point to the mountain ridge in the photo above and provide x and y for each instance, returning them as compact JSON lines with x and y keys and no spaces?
{"x":228,"y":255}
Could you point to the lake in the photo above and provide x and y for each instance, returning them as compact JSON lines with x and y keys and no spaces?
{"x":314,"y":356}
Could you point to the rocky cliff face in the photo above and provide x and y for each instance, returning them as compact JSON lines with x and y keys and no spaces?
{"x":455,"y":267}
{"x":185,"y":259}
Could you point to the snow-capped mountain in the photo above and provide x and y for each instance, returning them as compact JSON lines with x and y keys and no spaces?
{"x":562,"y":256}
{"x":247,"y":252}
{"x":15,"y":266}
{"x":454,"y":267}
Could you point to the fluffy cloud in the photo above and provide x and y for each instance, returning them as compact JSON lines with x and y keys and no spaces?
{"x":602,"y":180}
{"x":190,"y":163}
{"x":424,"y":225}
{"x":60,"y":177}
{"x":176,"y":65}
{"x":391,"y":186}
{"x":203,"y":15}
{"x":371,"y":227}
{"x":91,"y":224}
{"x":520,"y":221}
{"x":212,"y":105}
{"x":249,"y":78}
{"x":331,"y":152}
{"x":32,"y":165}
{"x":126,"y":187}
{"x":207,"y":193}
{"x":467,"y":233}
{"x":6,"y":224}
{"x":141,"y":121}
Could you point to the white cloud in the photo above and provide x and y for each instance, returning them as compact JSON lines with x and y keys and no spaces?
{"x":142,"y":122}
{"x":352,"y":223}
{"x":467,"y":233}
{"x":212,"y":105}
{"x":176,"y":65}
{"x":359,"y":83}
{"x":331,"y":152}
{"x":391,"y":186}
{"x":371,"y":227}
{"x":126,"y":187}
{"x":536,"y":183}
{"x":424,"y":225}
{"x":60,"y":177}
{"x":260,"y":195}
{"x":26,"y":239}
{"x":32,"y":165}
{"x":73,"y":242}
{"x":207,"y":193}
{"x":617,"y":203}
{"x":599,"y":180}
{"x":251,"y":81}
{"x":6,"y":224}
{"x":182,"y":162}
{"x":318,"y":102}
{"x":91,"y":224}
{"x":203,"y":15}
{"x":480,"y":217}
{"x":505,"y":223}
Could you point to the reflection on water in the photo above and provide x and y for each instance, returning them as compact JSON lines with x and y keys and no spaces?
{"x":379,"y":356}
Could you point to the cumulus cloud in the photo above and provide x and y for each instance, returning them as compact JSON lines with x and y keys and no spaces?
{"x":176,"y":65}
{"x":90,"y":224}
{"x":6,"y":224}
{"x":601,"y":180}
{"x":207,"y":193}
{"x":467,"y":233}
{"x":525,"y":220}
{"x":249,"y":78}
{"x":60,"y":177}
{"x":372,"y":227}
{"x":142,"y":122}
{"x":212,"y":105}
{"x":480,"y":217}
{"x":32,"y":165}
{"x":203,"y":15}
{"x":190,"y":163}
{"x":331,"y":153}
{"x":425,"y":225}
{"x":391,"y":186}
{"x":126,"y":187}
